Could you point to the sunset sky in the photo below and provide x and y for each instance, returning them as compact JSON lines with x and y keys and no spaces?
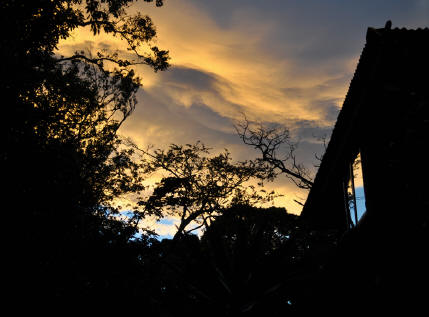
{"x":277,"y":61}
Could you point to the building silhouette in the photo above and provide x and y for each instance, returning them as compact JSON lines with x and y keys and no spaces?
{"x":384,"y":122}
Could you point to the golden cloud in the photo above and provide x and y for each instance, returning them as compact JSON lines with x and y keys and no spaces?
{"x":217,"y":73}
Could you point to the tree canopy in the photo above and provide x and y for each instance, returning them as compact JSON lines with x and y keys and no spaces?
{"x":197,"y":187}
{"x":71,"y":107}
{"x":63,"y":161}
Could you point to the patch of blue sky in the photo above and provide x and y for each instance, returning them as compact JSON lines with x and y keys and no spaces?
{"x":127,"y":213}
{"x":162,"y":228}
{"x":167,"y":221}
{"x":360,"y":204}
{"x":164,"y":236}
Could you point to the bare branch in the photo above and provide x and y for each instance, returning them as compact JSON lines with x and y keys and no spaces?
{"x":269,"y":140}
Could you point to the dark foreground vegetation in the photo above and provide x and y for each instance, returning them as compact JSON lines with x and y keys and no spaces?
{"x":63,"y":166}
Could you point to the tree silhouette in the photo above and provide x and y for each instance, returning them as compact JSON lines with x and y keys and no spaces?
{"x":252,"y":251}
{"x":63,"y":161}
{"x":196,"y":186}
{"x":73,"y":103}
{"x":249,"y":261}
{"x":269,"y":141}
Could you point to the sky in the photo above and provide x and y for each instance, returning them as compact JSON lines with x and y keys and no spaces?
{"x":278,"y":61}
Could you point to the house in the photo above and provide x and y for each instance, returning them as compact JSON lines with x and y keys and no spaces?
{"x":384,"y":122}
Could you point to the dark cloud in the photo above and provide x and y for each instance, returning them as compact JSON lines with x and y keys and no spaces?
{"x":327,"y":108}
{"x":190,"y":78}
{"x":160,"y":117}
{"x":315,"y":100}
{"x":321,"y":32}
{"x":315,"y":90}
{"x":320,"y":16}
{"x":206,"y":116}
{"x":311,"y":131}
{"x":331,"y":112}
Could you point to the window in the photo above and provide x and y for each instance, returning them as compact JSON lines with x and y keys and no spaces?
{"x":354,"y":193}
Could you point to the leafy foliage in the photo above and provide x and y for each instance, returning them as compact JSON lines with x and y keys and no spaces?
{"x":250,"y":261}
{"x":39,"y":26}
{"x":196,"y":186}
{"x":63,"y":160}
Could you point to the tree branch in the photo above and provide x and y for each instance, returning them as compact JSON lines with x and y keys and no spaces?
{"x":268,"y":141}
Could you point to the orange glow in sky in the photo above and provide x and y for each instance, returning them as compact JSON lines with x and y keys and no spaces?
{"x":282,"y":62}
